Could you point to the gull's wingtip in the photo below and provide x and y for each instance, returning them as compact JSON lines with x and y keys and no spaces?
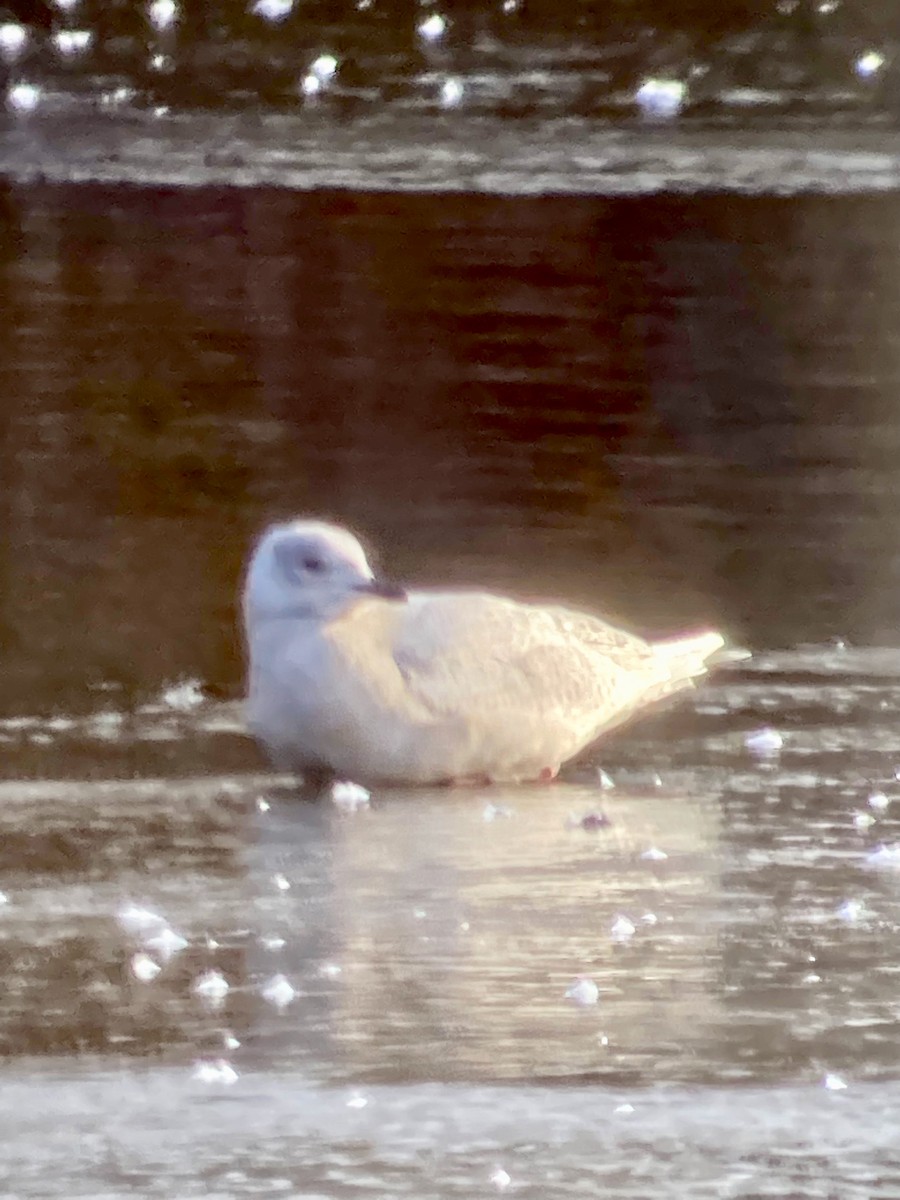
{"x":705,"y":650}
{"x":730,"y":654}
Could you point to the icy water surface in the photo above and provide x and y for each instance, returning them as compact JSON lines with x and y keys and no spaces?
{"x":377,"y":999}
{"x":678,"y":410}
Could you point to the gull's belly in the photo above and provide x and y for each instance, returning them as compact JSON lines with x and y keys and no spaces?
{"x":446,"y":750}
{"x":307,"y":723}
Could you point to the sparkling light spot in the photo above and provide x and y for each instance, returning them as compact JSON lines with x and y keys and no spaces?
{"x":139,"y":922}
{"x":183,"y":696}
{"x":119,"y":95}
{"x":106,"y":725}
{"x":273,"y":10}
{"x":868,"y":64}
{"x":622,"y":930}
{"x":162,"y":13}
{"x":583,"y":991}
{"x":216,"y":1072}
{"x":884,"y":857}
{"x":764,"y":743}
{"x":72,"y":41}
{"x":660,"y":98}
{"x":59,"y":724}
{"x":212,"y":986}
{"x":850,"y":910}
{"x":452,"y":93}
{"x":166,"y":943}
{"x":144,"y":968}
{"x":432,"y":28}
{"x":23,"y":97}
{"x":13,"y":38}
{"x":324,"y":68}
{"x":350,"y":797}
{"x":653,"y":854}
{"x":279,"y":992}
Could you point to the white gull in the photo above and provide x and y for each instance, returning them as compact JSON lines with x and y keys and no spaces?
{"x":352,"y":678}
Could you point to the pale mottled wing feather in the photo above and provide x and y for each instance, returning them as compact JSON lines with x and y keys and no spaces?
{"x":465,"y":653}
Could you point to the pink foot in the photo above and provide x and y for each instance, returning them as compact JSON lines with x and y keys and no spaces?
{"x":547,"y":774}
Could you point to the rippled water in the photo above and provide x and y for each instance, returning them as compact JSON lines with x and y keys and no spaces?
{"x":680,"y":411}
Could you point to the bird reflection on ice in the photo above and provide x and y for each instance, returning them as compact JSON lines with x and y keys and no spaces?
{"x":457,"y":943}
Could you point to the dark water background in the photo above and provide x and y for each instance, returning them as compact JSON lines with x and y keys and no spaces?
{"x":679,"y":410}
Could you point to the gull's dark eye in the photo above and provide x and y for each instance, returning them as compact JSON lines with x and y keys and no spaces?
{"x":298,"y":561}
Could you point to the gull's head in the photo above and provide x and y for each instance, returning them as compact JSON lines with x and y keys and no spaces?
{"x":308,"y":570}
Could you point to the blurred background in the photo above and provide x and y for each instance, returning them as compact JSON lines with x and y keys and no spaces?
{"x":522,"y":59}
